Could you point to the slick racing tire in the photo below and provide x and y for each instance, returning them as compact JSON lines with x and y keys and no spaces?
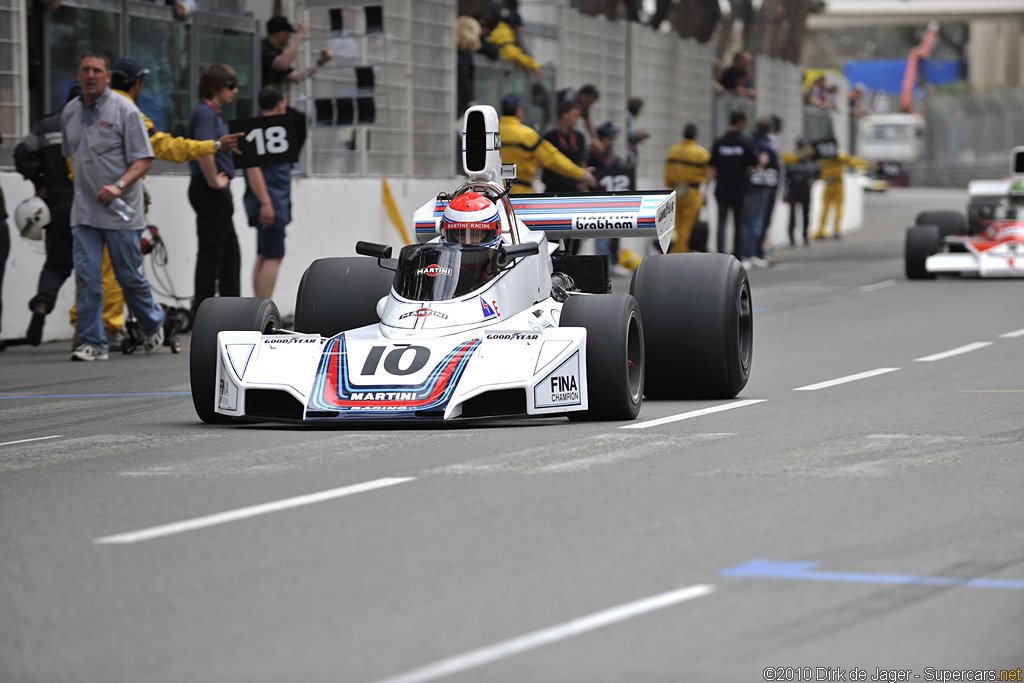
{"x":948,"y":222}
{"x":219,"y":314}
{"x":698,"y":324}
{"x":922,"y":241}
{"x":615,"y":354}
{"x":339,"y":294}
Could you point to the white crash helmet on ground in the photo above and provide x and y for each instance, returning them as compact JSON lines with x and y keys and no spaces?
{"x":31,"y":216}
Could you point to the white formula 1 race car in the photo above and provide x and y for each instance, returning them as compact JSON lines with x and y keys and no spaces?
{"x":487,"y":318}
{"x":947,"y":242}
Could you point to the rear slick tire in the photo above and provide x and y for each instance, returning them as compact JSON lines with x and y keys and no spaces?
{"x":698,"y":325}
{"x":948,"y":222}
{"x":340,"y":294}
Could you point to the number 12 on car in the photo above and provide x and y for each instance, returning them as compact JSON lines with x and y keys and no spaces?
{"x":267,"y":141}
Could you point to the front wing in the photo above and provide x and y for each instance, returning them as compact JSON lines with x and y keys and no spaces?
{"x":982,"y":258}
{"x":361,"y":375}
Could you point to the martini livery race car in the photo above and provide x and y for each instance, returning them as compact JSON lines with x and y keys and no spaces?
{"x":485,"y":316}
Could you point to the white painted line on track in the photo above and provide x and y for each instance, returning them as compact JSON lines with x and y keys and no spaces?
{"x":844,"y":380}
{"x":246,"y":512}
{"x":530,"y":641}
{"x":967,"y":348}
{"x":38,"y":438}
{"x":1011,"y":335}
{"x":694,"y":413}
{"x":878,"y":285}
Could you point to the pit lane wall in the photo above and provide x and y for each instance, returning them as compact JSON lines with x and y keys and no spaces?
{"x":329,"y":216}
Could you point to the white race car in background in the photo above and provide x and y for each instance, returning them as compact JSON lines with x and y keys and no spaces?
{"x":445,"y":331}
{"x":946,"y":242}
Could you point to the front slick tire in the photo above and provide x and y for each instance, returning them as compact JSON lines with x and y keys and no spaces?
{"x":615,"y":354}
{"x":921,"y":242}
{"x":220,"y":314}
{"x":698,"y":325}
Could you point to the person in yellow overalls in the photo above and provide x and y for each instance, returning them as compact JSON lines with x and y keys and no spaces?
{"x":832,"y":163}
{"x":685,"y":170}
{"x":126,"y":80}
{"x":524,"y":147}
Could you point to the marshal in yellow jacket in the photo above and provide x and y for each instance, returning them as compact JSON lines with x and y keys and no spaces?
{"x":170,"y":148}
{"x":524,"y":147}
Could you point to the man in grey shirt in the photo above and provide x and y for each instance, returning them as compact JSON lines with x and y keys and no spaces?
{"x":106,"y":139}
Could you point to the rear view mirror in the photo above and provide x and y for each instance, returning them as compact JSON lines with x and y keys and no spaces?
{"x":522,"y":249}
{"x":514,"y":251}
{"x":378,"y":251}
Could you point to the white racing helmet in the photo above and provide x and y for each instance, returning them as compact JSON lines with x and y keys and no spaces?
{"x":471,"y":219}
{"x":31,"y":216}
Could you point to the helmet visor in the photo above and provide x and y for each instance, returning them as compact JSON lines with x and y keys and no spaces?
{"x":470,"y":232}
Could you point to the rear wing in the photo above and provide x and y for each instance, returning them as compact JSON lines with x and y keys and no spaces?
{"x":650,"y":213}
{"x":988,"y":188}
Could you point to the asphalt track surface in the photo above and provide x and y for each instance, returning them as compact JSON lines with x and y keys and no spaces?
{"x":870,"y":524}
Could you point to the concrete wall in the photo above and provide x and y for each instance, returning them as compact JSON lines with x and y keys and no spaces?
{"x":329,"y":215}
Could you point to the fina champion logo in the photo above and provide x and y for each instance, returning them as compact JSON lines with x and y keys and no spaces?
{"x":423,"y":313}
{"x":434,"y":271}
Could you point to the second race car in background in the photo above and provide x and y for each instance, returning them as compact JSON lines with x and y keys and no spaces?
{"x":947,"y":242}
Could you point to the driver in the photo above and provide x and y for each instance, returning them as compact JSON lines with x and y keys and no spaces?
{"x":1013,"y":206}
{"x":471,"y":219}
{"x":1017,"y":198}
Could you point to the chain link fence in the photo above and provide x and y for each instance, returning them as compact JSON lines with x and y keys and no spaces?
{"x":968,"y":135}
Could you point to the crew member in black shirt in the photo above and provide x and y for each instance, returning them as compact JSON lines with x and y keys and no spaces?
{"x":278,"y":52}
{"x":732,"y":156}
{"x":569,"y":142}
{"x":39,"y":159}
{"x":737,"y":78}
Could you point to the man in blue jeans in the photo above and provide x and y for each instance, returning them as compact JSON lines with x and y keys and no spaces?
{"x":763,"y":184}
{"x":106,"y":140}
{"x":732,"y":157}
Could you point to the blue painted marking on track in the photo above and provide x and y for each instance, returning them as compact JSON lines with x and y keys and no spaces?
{"x":154,"y":393}
{"x":775,"y":569}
